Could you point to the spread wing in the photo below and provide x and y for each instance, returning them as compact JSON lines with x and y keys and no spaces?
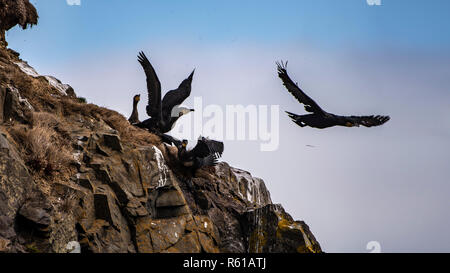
{"x":176,"y":97}
{"x":210,"y":160}
{"x":153,"y":87}
{"x":206,"y":147}
{"x":216,"y":147}
{"x":294,"y":89}
{"x":368,"y":121}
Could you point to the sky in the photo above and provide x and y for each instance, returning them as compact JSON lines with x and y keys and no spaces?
{"x":388,"y":184}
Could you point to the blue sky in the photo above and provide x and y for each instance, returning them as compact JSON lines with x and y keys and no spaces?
{"x":98,"y":24}
{"x":388,"y":184}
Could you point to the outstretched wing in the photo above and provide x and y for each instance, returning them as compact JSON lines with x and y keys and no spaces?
{"x":210,"y":160}
{"x":294,"y":89}
{"x":153,"y":87}
{"x":216,"y":147}
{"x":206,"y":147}
{"x":368,"y":121}
{"x":176,"y":97}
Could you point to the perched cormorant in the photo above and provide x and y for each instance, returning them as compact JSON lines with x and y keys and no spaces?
{"x":205,"y":153}
{"x":319,"y":118}
{"x":134,"y":118}
{"x":161,"y":113}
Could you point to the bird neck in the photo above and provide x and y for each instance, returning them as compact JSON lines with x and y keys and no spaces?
{"x":181,"y":152}
{"x":173,"y":120}
{"x":135,"y":104}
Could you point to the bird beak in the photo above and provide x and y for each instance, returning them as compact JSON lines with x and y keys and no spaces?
{"x":192,"y":110}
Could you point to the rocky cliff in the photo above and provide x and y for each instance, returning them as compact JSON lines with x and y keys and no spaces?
{"x":73,"y":173}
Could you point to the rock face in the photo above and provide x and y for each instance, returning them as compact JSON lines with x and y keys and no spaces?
{"x":78,"y":174}
{"x":2,"y":38}
{"x":129,"y":200}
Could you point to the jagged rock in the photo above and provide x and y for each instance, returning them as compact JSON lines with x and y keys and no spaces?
{"x":113,"y":142}
{"x":15,"y":107}
{"x":2,"y":39}
{"x":7,"y":227}
{"x":136,"y":209}
{"x":170,"y":198}
{"x":271,"y":229}
{"x":15,"y":181}
{"x":63,"y":89}
{"x":174,"y":235}
{"x":133,"y":201}
{"x":84,"y":181}
{"x":25,"y":214}
{"x":167,"y":202}
{"x":99,"y":150}
{"x":102,"y":210}
{"x":102,"y":238}
{"x":5,"y":245}
{"x":37,"y":213}
{"x":102,"y":173}
{"x":2,"y":102}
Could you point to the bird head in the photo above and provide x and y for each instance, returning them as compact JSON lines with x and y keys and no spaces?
{"x":137,"y":98}
{"x":179,"y":111}
{"x":185,"y":111}
{"x":184,"y":143}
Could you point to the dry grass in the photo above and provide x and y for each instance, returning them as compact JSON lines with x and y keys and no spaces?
{"x":4,"y":55}
{"x":20,"y":12}
{"x":116,"y":121}
{"x":46,"y":150}
{"x":45,"y":98}
{"x":69,"y":203}
{"x":49,"y":125}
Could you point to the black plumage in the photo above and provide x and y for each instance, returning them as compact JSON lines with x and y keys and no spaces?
{"x":161,"y":117}
{"x":205,"y":153}
{"x":320,"y":118}
{"x":134,"y":118}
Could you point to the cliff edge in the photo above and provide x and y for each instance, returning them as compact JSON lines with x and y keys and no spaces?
{"x":76,"y":174}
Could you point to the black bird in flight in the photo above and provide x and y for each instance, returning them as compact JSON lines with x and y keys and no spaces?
{"x":163,"y":114}
{"x":205,"y":153}
{"x":319,"y":118}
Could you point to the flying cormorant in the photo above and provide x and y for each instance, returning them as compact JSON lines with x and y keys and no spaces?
{"x":319,"y":118}
{"x":205,"y":153}
{"x":161,"y":112}
{"x":134,"y":118}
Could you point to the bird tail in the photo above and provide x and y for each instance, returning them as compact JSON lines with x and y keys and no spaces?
{"x":299,"y":120}
{"x":293,"y":116}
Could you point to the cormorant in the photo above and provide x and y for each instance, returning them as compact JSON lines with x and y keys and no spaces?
{"x":205,"y":153}
{"x":134,"y":118}
{"x":161,"y":112}
{"x":319,"y":118}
